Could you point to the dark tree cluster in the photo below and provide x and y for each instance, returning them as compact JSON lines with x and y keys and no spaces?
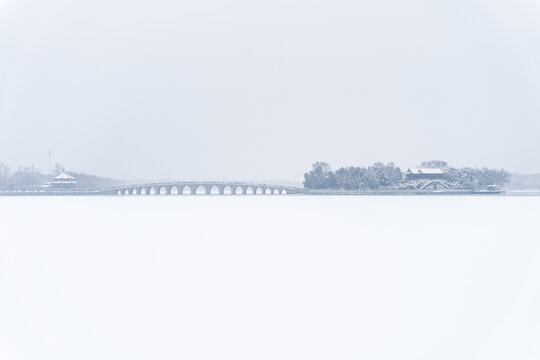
{"x":374,"y":177}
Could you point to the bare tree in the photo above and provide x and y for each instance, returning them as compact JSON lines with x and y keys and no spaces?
{"x":56,"y":169}
{"x":434,"y":164}
{"x":27,"y":176}
{"x":5,"y":174}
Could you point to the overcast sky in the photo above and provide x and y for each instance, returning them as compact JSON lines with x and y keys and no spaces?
{"x":261,"y":89}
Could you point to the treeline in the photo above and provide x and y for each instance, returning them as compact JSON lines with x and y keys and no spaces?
{"x":472,"y":178}
{"x":31,"y":177}
{"x":381,"y":176}
{"x":23,"y":176}
{"x":525,"y":182}
{"x":373,"y":177}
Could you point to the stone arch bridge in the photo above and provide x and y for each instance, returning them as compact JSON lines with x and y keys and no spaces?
{"x":200,"y":188}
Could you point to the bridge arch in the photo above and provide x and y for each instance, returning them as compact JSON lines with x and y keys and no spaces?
{"x":259,"y":191}
{"x":214,"y":190}
{"x":153,"y":191}
{"x":200,"y":190}
{"x":283,"y":192}
{"x":238,"y":190}
{"x":162,"y":190}
{"x":186,"y":190}
{"x":126,"y":191}
{"x":249,"y":190}
{"x":267,"y":191}
{"x":143,"y":191}
{"x":228,"y":190}
{"x":173,"y":190}
{"x":435,"y":185}
{"x":134,"y":191}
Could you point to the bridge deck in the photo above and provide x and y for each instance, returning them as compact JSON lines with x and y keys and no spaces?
{"x":200,"y":187}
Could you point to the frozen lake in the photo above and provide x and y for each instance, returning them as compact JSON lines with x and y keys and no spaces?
{"x":293,"y":277}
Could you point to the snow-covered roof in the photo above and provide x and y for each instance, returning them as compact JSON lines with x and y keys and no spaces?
{"x":426,"y":171}
{"x":63,"y":176}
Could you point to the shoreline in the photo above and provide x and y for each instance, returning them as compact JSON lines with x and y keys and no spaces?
{"x":302,"y":193}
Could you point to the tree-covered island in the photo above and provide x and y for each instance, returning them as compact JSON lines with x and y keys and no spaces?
{"x":430,"y":175}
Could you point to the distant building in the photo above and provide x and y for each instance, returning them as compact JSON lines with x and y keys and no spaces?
{"x":62,"y":181}
{"x":424,"y":174}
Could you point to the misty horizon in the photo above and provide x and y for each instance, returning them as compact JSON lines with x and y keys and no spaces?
{"x":276,"y":180}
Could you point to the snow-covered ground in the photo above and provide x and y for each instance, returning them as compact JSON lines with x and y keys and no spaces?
{"x":291,"y":277}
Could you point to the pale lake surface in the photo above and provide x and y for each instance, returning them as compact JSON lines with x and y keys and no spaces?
{"x":270,"y":277}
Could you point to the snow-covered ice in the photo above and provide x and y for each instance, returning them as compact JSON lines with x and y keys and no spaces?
{"x":284,"y":277}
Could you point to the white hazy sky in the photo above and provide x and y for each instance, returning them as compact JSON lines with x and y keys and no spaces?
{"x":261,"y":89}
